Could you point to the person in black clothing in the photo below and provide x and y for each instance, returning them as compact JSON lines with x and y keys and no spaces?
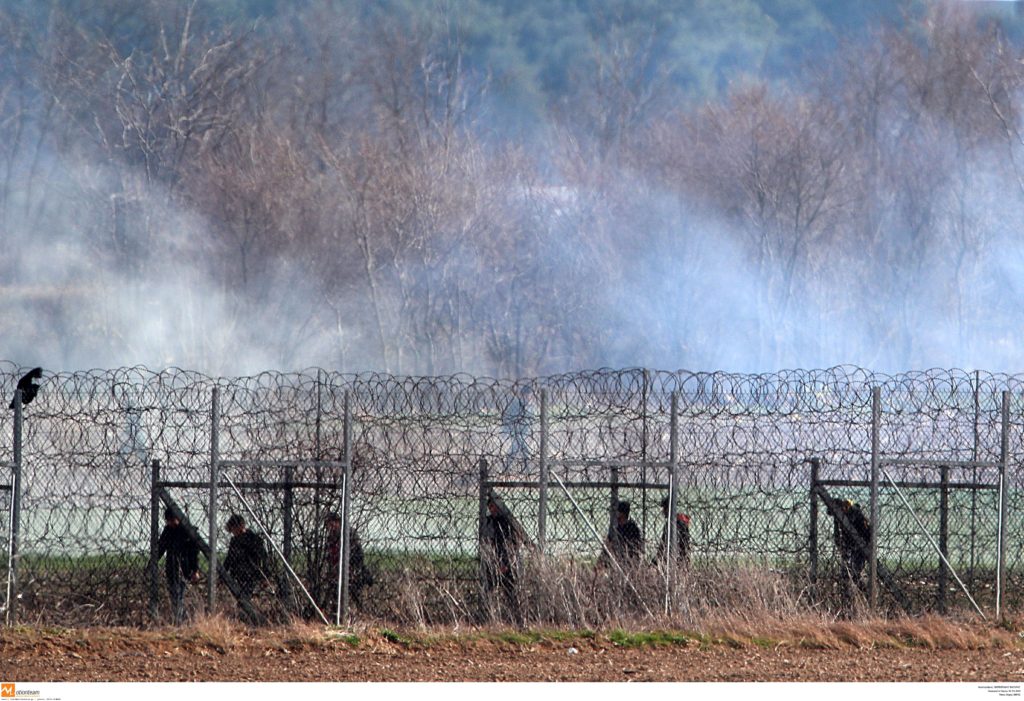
{"x":500,"y":552}
{"x":246,"y":560}
{"x":182,"y":562}
{"x":359,"y":576}
{"x":852,"y":555}
{"x":682,"y":535}
{"x":625,"y":541}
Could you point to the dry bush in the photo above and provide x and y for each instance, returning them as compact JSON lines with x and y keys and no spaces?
{"x":565,"y":592}
{"x":215,"y":630}
{"x":737,"y":604}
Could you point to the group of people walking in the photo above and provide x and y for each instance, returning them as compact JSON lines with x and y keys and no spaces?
{"x":625,"y":542}
{"x":248,"y":568}
{"x":503,"y":537}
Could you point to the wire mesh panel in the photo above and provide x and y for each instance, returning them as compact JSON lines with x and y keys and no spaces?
{"x":425,"y":453}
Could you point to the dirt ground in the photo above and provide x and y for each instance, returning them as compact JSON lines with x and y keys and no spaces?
{"x":233,"y":654}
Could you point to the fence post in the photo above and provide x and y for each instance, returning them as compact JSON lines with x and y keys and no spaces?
{"x":481,"y":525}
{"x":289,"y":511}
{"x":876,"y":421}
{"x":943,"y":534}
{"x":615,"y":498}
{"x":211,"y":575}
{"x":154,"y":539}
{"x":1004,"y":460}
{"x":670,"y":517}
{"x":542,"y":514}
{"x":643,"y":449}
{"x":346,"y":491}
{"x":287,"y":529}
{"x":12,"y":602}
{"x":974,"y":478}
{"x":812,"y":539}
{"x":319,"y":414}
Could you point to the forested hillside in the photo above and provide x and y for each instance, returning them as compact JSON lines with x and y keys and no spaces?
{"x":511,"y":188}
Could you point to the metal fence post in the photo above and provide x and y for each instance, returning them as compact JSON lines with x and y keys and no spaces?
{"x":154,"y":539}
{"x":613,"y":509}
{"x":12,"y":603}
{"x":976,"y":382}
{"x":346,"y":492}
{"x":211,"y":575}
{"x":812,"y":538}
{"x":670,"y":517}
{"x":643,"y":449}
{"x":943,"y":535}
{"x":1004,"y":487}
{"x":876,"y":421}
{"x":481,"y":525}
{"x":288,"y":518}
{"x":542,"y":513}
{"x":319,"y":414}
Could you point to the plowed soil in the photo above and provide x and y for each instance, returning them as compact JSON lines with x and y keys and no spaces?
{"x":35,"y":655}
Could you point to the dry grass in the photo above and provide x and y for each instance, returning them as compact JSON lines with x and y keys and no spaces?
{"x":735,"y":605}
{"x":559,"y":600}
{"x":221,"y":635}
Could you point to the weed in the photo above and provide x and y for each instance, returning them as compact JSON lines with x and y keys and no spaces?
{"x":393,"y":637}
{"x":648,"y":639}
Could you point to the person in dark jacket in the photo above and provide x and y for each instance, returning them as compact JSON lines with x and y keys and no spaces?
{"x":246,"y":560}
{"x":182,"y":564}
{"x":359,"y":576}
{"x":625,"y":542}
{"x":681,"y":528}
{"x":852,"y":554}
{"x":852,"y":537}
{"x":501,"y":549}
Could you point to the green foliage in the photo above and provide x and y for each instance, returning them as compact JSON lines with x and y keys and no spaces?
{"x":656,"y":638}
{"x":393,"y":637}
{"x":350,"y":639}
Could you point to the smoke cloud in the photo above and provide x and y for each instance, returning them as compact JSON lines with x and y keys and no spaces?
{"x":391,"y":231}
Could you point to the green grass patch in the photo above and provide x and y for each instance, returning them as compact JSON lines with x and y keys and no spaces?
{"x":648,"y":639}
{"x":350,"y":639}
{"x":393,"y":637}
{"x":395,"y":561}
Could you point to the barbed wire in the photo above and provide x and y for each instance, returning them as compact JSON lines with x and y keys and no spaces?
{"x":422,"y":445}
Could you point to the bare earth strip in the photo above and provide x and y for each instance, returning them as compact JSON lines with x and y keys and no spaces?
{"x":135,"y":655}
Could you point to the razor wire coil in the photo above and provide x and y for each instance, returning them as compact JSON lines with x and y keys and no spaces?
{"x":418,"y":445}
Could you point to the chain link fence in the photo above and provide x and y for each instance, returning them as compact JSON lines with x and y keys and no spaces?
{"x":104,"y":453}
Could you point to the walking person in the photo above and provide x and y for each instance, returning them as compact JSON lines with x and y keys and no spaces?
{"x":625,"y":541}
{"x":852,"y":537}
{"x":182,"y":563}
{"x":246,"y":560}
{"x":681,"y":530}
{"x":500,"y":551}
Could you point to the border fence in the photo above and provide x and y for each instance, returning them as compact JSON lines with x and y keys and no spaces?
{"x":760,"y":464}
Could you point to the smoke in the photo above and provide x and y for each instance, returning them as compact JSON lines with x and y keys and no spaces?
{"x":87,"y":285}
{"x":477,"y":261}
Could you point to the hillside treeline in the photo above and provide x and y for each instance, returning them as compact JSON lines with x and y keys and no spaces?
{"x":380,"y":189}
